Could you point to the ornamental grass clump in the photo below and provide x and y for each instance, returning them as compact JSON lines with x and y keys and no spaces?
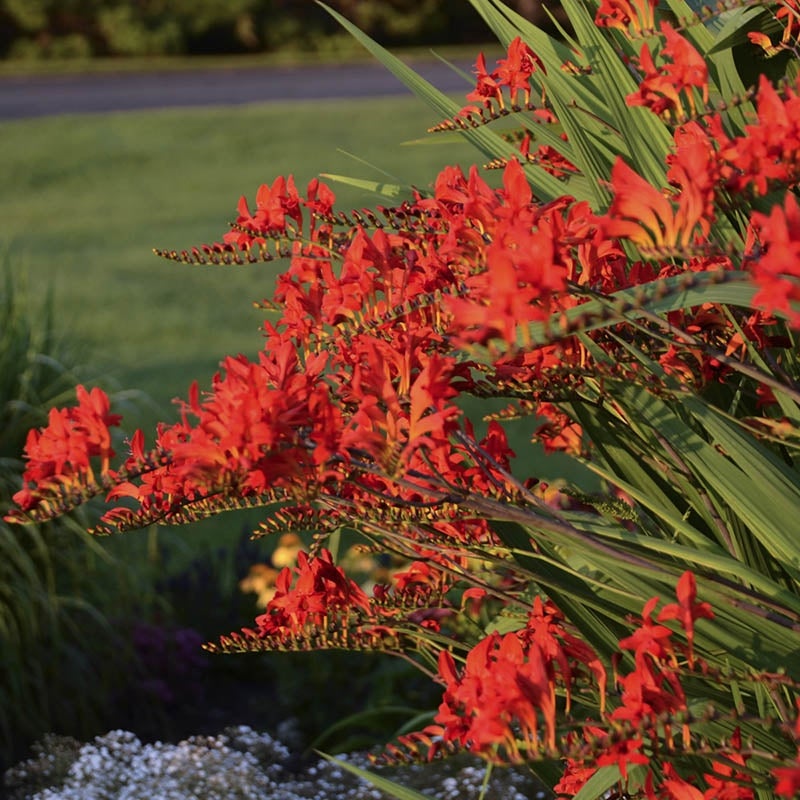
{"x":629,"y":294}
{"x":58,"y":586}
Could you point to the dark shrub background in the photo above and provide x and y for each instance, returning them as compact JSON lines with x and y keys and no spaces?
{"x":89,"y":28}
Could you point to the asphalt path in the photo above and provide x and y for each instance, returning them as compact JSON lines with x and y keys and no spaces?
{"x":45,"y":95}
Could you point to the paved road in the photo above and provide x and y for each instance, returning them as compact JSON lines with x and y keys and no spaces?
{"x":37,"y":96}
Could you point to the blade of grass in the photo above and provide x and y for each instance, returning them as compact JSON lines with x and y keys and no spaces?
{"x":388,"y":190}
{"x":756,"y":491}
{"x":396,"y":790}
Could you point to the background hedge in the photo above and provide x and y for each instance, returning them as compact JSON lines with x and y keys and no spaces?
{"x":92,"y":28}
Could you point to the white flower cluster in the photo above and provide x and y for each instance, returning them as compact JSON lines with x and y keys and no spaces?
{"x":241,"y":764}
{"x":118,"y":766}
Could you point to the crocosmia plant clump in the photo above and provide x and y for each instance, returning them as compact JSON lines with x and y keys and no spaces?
{"x":620,"y":285}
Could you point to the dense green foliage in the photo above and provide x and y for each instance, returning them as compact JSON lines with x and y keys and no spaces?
{"x":84,"y":28}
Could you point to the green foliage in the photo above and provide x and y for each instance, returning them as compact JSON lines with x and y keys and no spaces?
{"x":62,"y":656}
{"x":58,"y":29}
{"x":363,"y":695}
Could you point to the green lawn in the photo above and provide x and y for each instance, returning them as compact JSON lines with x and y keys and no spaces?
{"x":86,"y":198}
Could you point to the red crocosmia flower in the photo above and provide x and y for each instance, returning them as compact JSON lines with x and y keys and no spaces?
{"x":401,"y":404}
{"x":545,"y":627}
{"x":265,"y":423}
{"x":246,"y":235}
{"x":656,"y":91}
{"x":516,"y":194}
{"x":764,"y":42}
{"x":419,"y":575}
{"x":320,"y":588}
{"x":319,"y":197}
{"x":522,"y":272}
{"x":642,"y":214}
{"x":630,"y":16}
{"x":727,"y":782}
{"x":788,"y":778}
{"x":777,"y":269}
{"x":623,"y":753}
{"x":523,"y":266}
{"x":687,"y":609}
{"x":768,"y":152}
{"x":495,"y":443}
{"x":789,"y":10}
{"x":466,"y":203}
{"x":137,"y":455}
{"x":273,"y":205}
{"x":557,"y":432}
{"x":487,"y":88}
{"x":694,"y":170}
{"x":649,"y":691}
{"x":649,"y":637}
{"x":688,"y":67}
{"x":61,"y":454}
{"x":653,"y":689}
{"x":429,"y":394}
{"x":573,"y":779}
{"x":661,"y":86}
{"x":515,"y":70}
{"x":93,"y":419}
{"x":472,"y":599}
{"x":674,"y":787}
{"x":503,"y":695}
